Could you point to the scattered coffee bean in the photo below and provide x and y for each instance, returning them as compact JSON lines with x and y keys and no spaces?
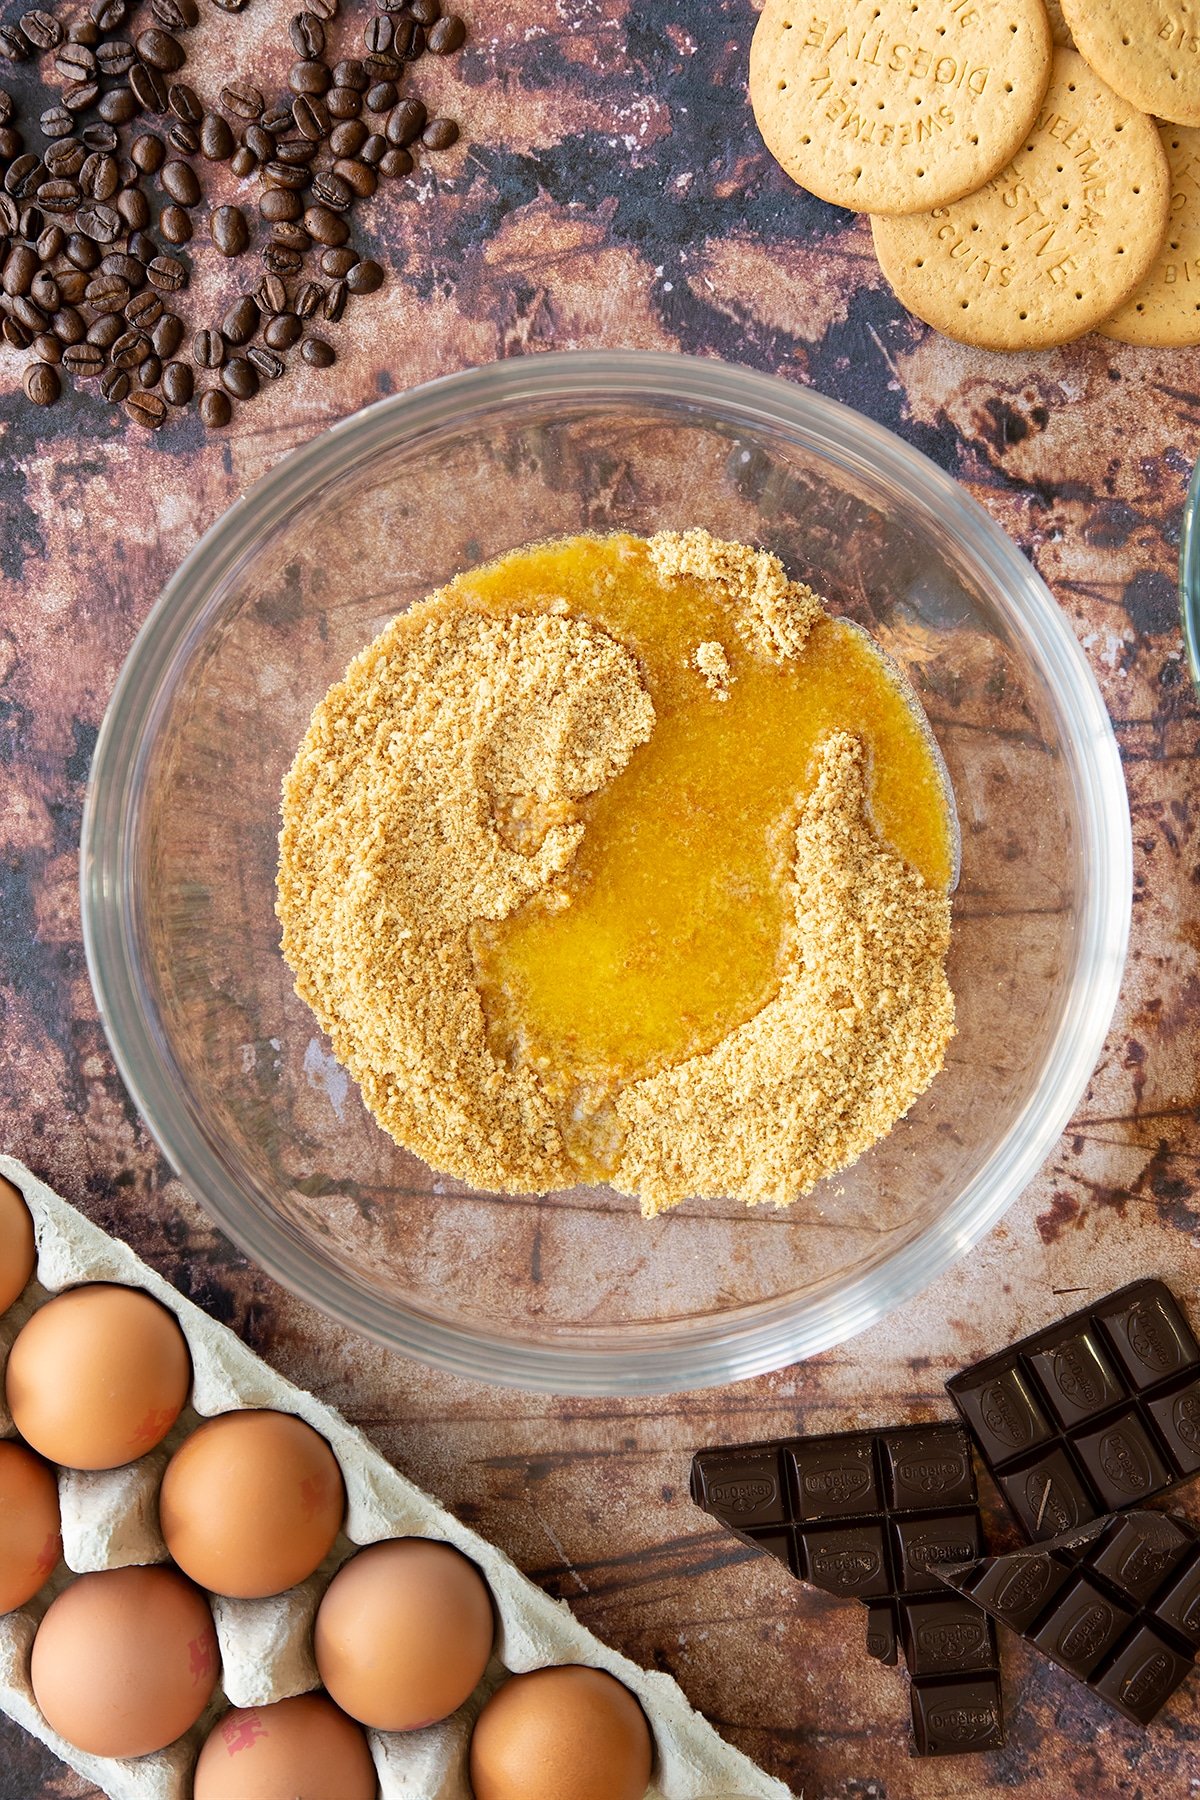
{"x":15,"y":334}
{"x":317,"y":352}
{"x":23,"y":175}
{"x":425,"y":12}
{"x":108,"y":294}
{"x":134,"y":208}
{"x":283,"y":331}
{"x":56,"y":122}
{"x":280,"y":260}
{"x":347,"y":137}
{"x":75,"y":62}
{"x":30,"y":222}
{"x":309,"y":77}
{"x":149,"y":88}
{"x":409,"y":41}
{"x":183,"y":139}
{"x":65,"y":158}
{"x":208,"y":349}
{"x":146,"y":409}
{"x":216,"y":139}
{"x":175,"y":224}
{"x":344,"y":103}
{"x":160,"y":50}
{"x":241,"y":321}
{"x":47,"y":348}
{"x":42,"y":29}
{"x":29,"y":313}
{"x":229,"y":230}
{"x":149,"y":371}
{"x":240,"y":98}
{"x":379,"y":34}
{"x":276,"y":119}
{"x":72,"y":284}
{"x":178,"y":179}
{"x":395,"y":162}
{"x":406,"y":124}
{"x":109,"y":15}
{"x":243,"y":163}
{"x":116,"y":57}
{"x":374,"y":150}
{"x":311,"y":117}
{"x":307,"y":34}
{"x":147,"y":153}
{"x":50,"y":243}
{"x":83,"y":361}
{"x":325,"y":10}
{"x":334,"y":303}
{"x":14,"y":45}
{"x":309,"y":296}
{"x":114,"y":385}
{"x":175,"y":15}
{"x":130,"y":349}
{"x":271,"y":294}
{"x":290,"y":234}
{"x":44,"y":292}
{"x":260,"y":141}
{"x":383,"y":68}
{"x":142,"y":245}
{"x":365,"y":277}
{"x":358,"y":177}
{"x":129,"y":268}
{"x":338,"y":262}
{"x":240,"y":378}
{"x":215,"y":409}
{"x":445,"y":36}
{"x":58,"y":196}
{"x":325,"y":227}
{"x":177,"y":383}
{"x":104,"y":331}
{"x":98,"y":176}
{"x":167,"y":273}
{"x":144,"y":311}
{"x":439,"y":134}
{"x":167,"y":335}
{"x":184,"y":102}
{"x":42,"y":384}
{"x":382,"y":97}
{"x":83,"y":30}
{"x":279,"y":204}
{"x":118,"y":107}
{"x":296,"y":152}
{"x":268,"y":364}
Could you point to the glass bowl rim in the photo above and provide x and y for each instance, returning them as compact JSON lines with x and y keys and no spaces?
{"x":1189,"y":578}
{"x":686,"y":1354}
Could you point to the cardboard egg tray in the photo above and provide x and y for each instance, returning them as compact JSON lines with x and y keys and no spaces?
{"x":110,"y":1520}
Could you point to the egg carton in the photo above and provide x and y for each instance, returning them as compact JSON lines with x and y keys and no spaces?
{"x":110,"y":1520}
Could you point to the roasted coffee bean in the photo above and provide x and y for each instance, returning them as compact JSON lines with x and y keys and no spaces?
{"x":47,"y":348}
{"x":127,"y":173}
{"x":271,"y":294}
{"x":240,"y":98}
{"x":42,"y":384}
{"x":19,"y":174}
{"x":395,"y":162}
{"x":406,"y":124}
{"x":66,"y":157}
{"x":358,"y":178}
{"x":290,"y":234}
{"x":82,"y":252}
{"x":149,"y":88}
{"x":75,"y":62}
{"x":160,"y":50}
{"x":83,"y":30}
{"x":445,"y":36}
{"x":108,"y":15}
{"x":31,"y":315}
{"x":383,"y":68}
{"x":309,"y":77}
{"x":167,"y":335}
{"x":175,"y":224}
{"x":285,"y":175}
{"x":374,"y":149}
{"x":283,"y":331}
{"x":10,"y":215}
{"x":79,"y":96}
{"x":50,"y":243}
{"x":116,"y":57}
{"x":178,"y":179}
{"x":183,"y":139}
{"x":99,"y":222}
{"x":324,"y":226}
{"x":31,"y":222}
{"x":14,"y":45}
{"x":241,"y":321}
{"x":175,"y":15}
{"x":343,"y":103}
{"x":57,"y":122}
{"x":134,"y":208}
{"x":130,"y":349}
{"x":276,"y":119}
{"x":15,"y":334}
{"x":184,"y":102}
{"x":334,"y":303}
{"x":379,"y":34}
{"x":240,"y":378}
{"x":148,"y":153}
{"x":143,"y":246}
{"x":105,"y":331}
{"x":178,"y":383}
{"x":311,"y":118}
{"x":71,"y":285}
{"x":98,"y":176}
{"x":229,"y":231}
{"x":11,"y":143}
{"x":317,"y":352}
{"x":130,"y":268}
{"x":267,"y":363}
{"x":114,"y":385}
{"x":425,"y":12}
{"x":58,"y":196}
{"x":382,"y":97}
{"x":338,"y":262}
{"x":216,"y":139}
{"x":416,"y":43}
{"x":118,"y":107}
{"x":42,"y":29}
{"x":258,"y":139}
{"x":167,"y":273}
{"x":297,"y":152}
{"x":84,"y":361}
{"x":149,"y":371}
{"x":208,"y":349}
{"x":365,"y":277}
{"x":6,"y":107}
{"x":309,"y":296}
{"x":439,"y":134}
{"x":307,"y":34}
{"x":243,"y":163}
{"x":144,"y":311}
{"x":281,"y":260}
{"x":325,"y":10}
{"x":146,"y":409}
{"x":348,"y":137}
{"x":215,"y":409}
{"x":43,"y":291}
{"x":276,"y":204}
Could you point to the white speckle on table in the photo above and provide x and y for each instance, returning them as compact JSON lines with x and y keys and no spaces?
{"x":324,"y":1071}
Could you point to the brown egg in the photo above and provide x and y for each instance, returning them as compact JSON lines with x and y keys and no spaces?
{"x":98,"y":1376}
{"x":125,"y":1661}
{"x":404,"y":1633}
{"x":30,"y":1538}
{"x":18,"y":1253}
{"x":296,"y":1747}
{"x":561,"y":1734}
{"x":251,"y":1503}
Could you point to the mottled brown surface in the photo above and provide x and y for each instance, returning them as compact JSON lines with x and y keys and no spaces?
{"x":613,"y":192}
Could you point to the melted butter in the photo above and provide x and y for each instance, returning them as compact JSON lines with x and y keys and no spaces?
{"x":667,"y":930}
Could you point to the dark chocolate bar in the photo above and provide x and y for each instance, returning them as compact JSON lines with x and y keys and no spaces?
{"x":1116,"y":1604}
{"x":1096,"y":1413}
{"x":872,"y":1516}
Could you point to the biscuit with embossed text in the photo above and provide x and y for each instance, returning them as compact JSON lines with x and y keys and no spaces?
{"x":1054,"y":243}
{"x":1148,"y":50}
{"x":894,"y":106}
{"x":1165,"y":310}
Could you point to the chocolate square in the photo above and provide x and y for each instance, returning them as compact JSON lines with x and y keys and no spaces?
{"x":953,"y":1718}
{"x":1017,"y":1588}
{"x":1143,"y":1675}
{"x":1138,"y":1556}
{"x":1178,"y":1419}
{"x":882,"y":1640}
{"x":946,"y":1637}
{"x":778,"y":1544}
{"x":1122,"y":1462}
{"x":740,"y":1487}
{"x":1048,"y":1498}
{"x":929,"y":1468}
{"x":1150,"y":1335}
{"x":850,"y":1562}
{"x":1003,"y":1414}
{"x":1082,"y":1625}
{"x":1179,"y":1606}
{"x":833,"y":1477}
{"x":1076,"y":1376}
{"x":925,"y":1544}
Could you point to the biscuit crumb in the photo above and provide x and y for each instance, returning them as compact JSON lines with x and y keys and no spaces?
{"x":770,"y":613}
{"x":713,"y":664}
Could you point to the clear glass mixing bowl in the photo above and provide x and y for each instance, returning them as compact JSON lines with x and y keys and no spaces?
{"x":575,"y":1293}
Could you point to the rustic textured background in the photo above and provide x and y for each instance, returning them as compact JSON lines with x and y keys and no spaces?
{"x":611,"y":190}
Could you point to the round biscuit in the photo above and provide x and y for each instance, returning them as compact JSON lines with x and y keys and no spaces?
{"x":1056,"y":242}
{"x":1165,"y":311}
{"x":1147,"y":50}
{"x":894,"y":106}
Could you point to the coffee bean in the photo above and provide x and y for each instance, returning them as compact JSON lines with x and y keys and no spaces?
{"x":285,"y":175}
{"x":14,"y":45}
{"x":66,"y":157}
{"x":348,"y":137}
{"x":75,"y":62}
{"x":42,"y":29}
{"x":30,"y":222}
{"x":385,"y":67}
{"x":311,"y":117}
{"x":99,"y":222}
{"x":325,"y":227}
{"x":325,"y":10}
{"x":297,"y":152}
{"x":394,"y":163}
{"x":177,"y":383}
{"x":167,"y":273}
{"x":276,"y":204}
{"x":47,"y":348}
{"x":439,"y":134}
{"x":83,"y":361}
{"x":216,"y":139}
{"x":334,"y":303}
{"x":178,"y":179}
{"x":309,"y":77}
{"x":160,"y":50}
{"x":149,"y":371}
{"x":240,"y":98}
{"x":114,"y":385}
{"x":175,"y":15}
{"x":149,"y":88}
{"x":382,"y":97}
{"x":71,"y":286}
{"x":267,"y":363}
{"x":379,"y":34}
{"x":146,"y":409}
{"x":109,"y":15}
{"x":307,"y":34}
{"x":290,"y":234}
{"x":416,"y":43}
{"x":116,"y":57}
{"x":118,"y":107}
{"x":241,"y":321}
{"x":277,"y":118}
{"x":183,"y":139}
{"x":240,"y":378}
{"x":351,"y":73}
{"x":98,"y":176}
{"x":15,"y":334}
{"x":175,"y":224}
{"x":44,"y":292}
{"x":446,"y":36}
{"x":283,"y":331}
{"x":11,"y":142}
{"x":19,"y":175}
{"x":338,"y":262}
{"x":406,"y":124}
{"x":83,"y":30}
{"x":260,"y":141}
{"x":365,"y":277}
{"x":56,"y":122}
{"x":42,"y":384}
{"x":229,"y":231}
{"x":215,"y":409}
{"x":31,"y":315}
{"x":130,"y":349}
{"x":167,"y":335}
{"x":208,"y":349}
{"x":281,"y":260}
{"x":130,"y":269}
{"x":82,"y":252}
{"x":358,"y":178}
{"x":332,"y":191}
{"x":243,"y":163}
{"x":58,"y":196}
{"x":144,"y":311}
{"x":6,"y":107}
{"x":184,"y":102}
{"x":147,"y":153}
{"x":374,"y":150}
{"x":271,"y":294}
{"x":309,"y":296}
{"x":104,"y":331}
{"x":317,"y":352}
{"x":344,"y":103}
{"x":134,"y":208}
{"x":80,"y":95}
{"x":50,"y":244}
